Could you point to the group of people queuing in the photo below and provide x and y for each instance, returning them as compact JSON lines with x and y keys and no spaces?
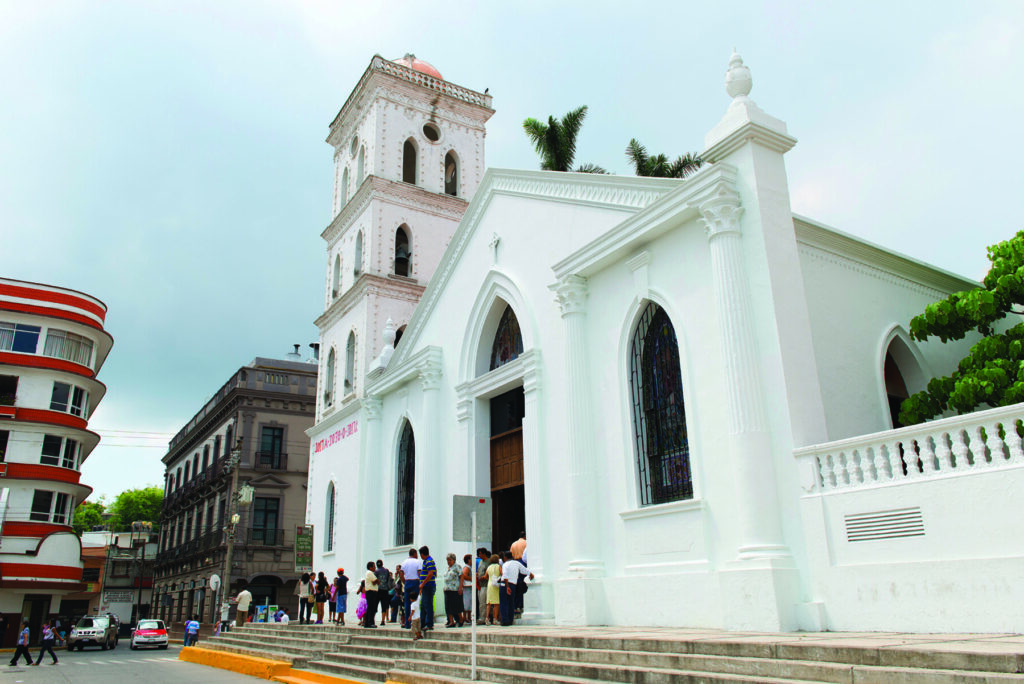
{"x":48,"y":640}
{"x":407,"y":594}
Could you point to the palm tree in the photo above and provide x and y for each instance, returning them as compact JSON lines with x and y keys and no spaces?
{"x":555,"y":141}
{"x":659,"y":166}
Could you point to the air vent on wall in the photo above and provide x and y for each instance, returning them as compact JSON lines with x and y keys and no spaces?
{"x":900,"y":522}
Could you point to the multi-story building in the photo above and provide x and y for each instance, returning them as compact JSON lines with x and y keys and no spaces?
{"x":52,"y":345}
{"x":128,"y":574}
{"x":263,"y":411}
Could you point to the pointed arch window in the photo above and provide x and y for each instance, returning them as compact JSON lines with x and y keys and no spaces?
{"x":329,"y":519}
{"x":409,"y":162}
{"x":508,"y":341}
{"x":403,"y":257}
{"x":336,"y":278}
{"x":329,"y":380}
{"x":405,"y":487}
{"x":659,"y":418}
{"x":451,"y":175}
{"x":358,"y":266}
{"x":350,"y":364}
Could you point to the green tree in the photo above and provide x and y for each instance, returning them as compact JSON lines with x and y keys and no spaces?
{"x":659,"y":165}
{"x":88,"y":514}
{"x":992,"y":373}
{"x":135,"y":505}
{"x":555,"y":141}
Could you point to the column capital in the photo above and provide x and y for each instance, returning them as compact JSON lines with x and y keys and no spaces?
{"x":371,"y":408}
{"x":571,"y":294}
{"x":430,"y":376}
{"x":720,"y":211}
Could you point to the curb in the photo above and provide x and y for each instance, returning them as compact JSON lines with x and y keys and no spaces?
{"x":264,"y":668}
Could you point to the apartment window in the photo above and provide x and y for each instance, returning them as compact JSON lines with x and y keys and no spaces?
{"x":271,"y":446}
{"x":68,"y":399}
{"x":19,"y":337}
{"x":8,"y":389}
{"x":59,"y":451}
{"x":68,"y":346}
{"x":49,"y":506}
{"x":264,"y":520}
{"x":4,"y":434}
{"x":90,"y":574}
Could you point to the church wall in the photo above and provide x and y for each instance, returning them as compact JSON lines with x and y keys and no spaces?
{"x":854,"y":306}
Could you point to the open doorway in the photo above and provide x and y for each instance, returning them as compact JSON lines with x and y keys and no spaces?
{"x":507,"y":495}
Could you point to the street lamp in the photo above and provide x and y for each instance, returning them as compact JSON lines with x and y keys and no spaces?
{"x":243,"y":497}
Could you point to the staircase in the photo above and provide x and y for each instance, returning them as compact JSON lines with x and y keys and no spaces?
{"x":543,"y":655}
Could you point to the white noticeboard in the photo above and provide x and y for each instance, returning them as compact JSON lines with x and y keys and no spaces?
{"x":462,"y":520}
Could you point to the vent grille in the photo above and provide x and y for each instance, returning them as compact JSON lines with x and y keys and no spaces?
{"x":894,"y":524}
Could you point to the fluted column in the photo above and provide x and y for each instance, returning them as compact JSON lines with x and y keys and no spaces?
{"x":431,"y":496}
{"x":370,"y":540}
{"x":750,"y":445}
{"x":584,"y":554}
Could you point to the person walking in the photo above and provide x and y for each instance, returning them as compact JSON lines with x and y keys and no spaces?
{"x":192,"y":631}
{"x":510,"y":574}
{"x":452,"y":592}
{"x":49,"y":637}
{"x":341,"y":596}
{"x":428,"y":573}
{"x":22,"y":645}
{"x":320,"y":596}
{"x":466,"y":588}
{"x":410,"y":577}
{"x":371,"y":584}
{"x":243,"y":600}
{"x":304,"y":603}
{"x":384,"y":584}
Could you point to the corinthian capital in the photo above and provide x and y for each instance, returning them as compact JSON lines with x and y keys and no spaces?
{"x":430,"y":376}
{"x":571,"y":294}
{"x":721,"y":211}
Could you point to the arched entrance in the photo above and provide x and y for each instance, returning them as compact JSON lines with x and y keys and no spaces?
{"x":507,"y":411}
{"x":902,"y":376}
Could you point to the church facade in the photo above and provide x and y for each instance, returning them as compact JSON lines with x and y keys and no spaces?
{"x":682,"y":392}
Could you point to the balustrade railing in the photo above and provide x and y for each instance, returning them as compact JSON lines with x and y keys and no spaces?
{"x":975,"y":442}
{"x":261,"y":536}
{"x":270,"y":460}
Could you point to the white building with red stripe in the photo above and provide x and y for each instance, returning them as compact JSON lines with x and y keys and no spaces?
{"x":52,"y":345}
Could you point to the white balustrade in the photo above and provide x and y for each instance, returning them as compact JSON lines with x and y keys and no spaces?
{"x":982,"y":440}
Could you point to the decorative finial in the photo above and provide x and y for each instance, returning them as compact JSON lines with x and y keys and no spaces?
{"x":737,"y":78}
{"x":389,"y":333}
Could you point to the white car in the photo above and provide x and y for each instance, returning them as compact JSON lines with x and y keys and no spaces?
{"x":149,"y":633}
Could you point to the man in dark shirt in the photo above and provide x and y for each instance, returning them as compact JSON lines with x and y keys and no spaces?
{"x":428,"y":572}
{"x":340,"y":596}
{"x":383,"y":590}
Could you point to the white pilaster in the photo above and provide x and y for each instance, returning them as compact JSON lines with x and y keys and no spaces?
{"x":369,"y":457}
{"x":431,"y":498}
{"x":580,"y":596}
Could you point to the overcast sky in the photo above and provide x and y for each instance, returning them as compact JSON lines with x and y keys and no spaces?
{"x":169,"y":157}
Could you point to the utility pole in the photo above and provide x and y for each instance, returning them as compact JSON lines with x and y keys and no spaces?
{"x":235,"y":497}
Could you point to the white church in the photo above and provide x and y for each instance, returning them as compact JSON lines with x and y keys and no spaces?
{"x":685,"y":394}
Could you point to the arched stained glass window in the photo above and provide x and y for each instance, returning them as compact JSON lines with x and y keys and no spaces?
{"x":508,"y":341}
{"x":405,"y":487}
{"x":329,"y":519}
{"x":659,"y":418}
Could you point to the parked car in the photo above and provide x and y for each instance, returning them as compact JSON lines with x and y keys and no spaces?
{"x":149,"y":633}
{"x":99,"y":630}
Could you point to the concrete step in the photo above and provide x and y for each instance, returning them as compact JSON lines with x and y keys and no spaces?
{"x":294,"y":659}
{"x":363,"y":674}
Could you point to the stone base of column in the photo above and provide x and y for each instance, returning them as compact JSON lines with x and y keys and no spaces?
{"x":538,"y":603}
{"x":760,"y":595}
{"x":580,"y":601}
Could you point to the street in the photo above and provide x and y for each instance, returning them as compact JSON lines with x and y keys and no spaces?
{"x":120,"y":665}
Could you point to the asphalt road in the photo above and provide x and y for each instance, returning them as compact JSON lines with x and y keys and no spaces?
{"x":93,"y":666}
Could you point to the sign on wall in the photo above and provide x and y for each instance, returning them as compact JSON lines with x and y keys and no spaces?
{"x":118,"y":596}
{"x":304,"y":549}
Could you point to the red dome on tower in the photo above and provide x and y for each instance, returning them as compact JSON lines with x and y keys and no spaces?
{"x":419,"y":65}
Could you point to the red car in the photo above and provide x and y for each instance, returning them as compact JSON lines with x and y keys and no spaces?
{"x":149,"y":633}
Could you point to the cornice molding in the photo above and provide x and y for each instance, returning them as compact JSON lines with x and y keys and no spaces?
{"x":368,"y":284}
{"x":822,"y":242}
{"x":405,"y":195}
{"x":749,"y":132}
{"x":525,"y":367}
{"x":335,"y":418}
{"x":669,"y":211}
{"x":425,"y":365}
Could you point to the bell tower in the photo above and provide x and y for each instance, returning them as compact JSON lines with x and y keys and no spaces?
{"x":408,"y":156}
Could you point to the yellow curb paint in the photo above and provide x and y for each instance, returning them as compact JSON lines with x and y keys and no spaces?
{"x":264,"y":668}
{"x":305,"y":677}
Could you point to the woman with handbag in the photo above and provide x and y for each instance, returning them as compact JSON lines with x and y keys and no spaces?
{"x":320,"y":596}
